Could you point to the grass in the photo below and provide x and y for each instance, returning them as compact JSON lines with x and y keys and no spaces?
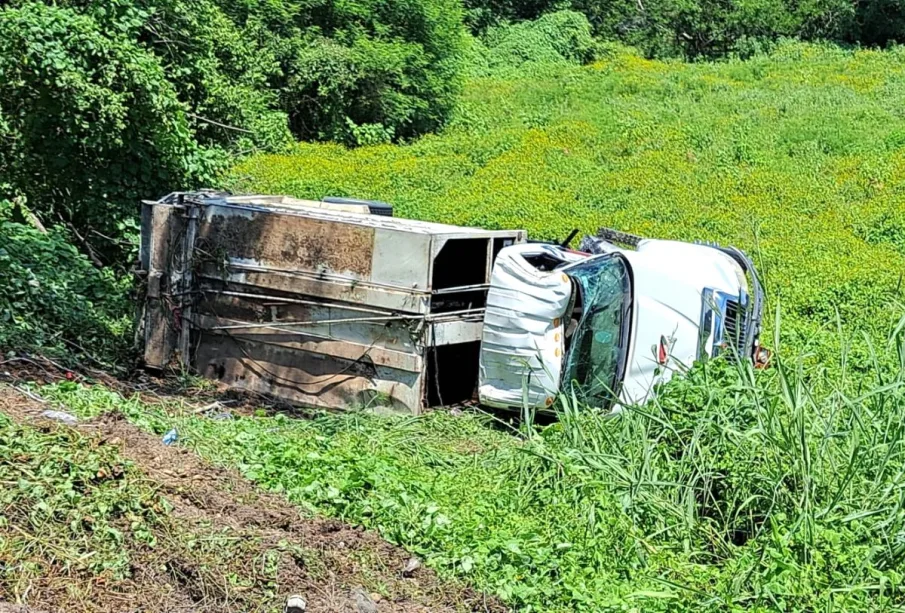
{"x":68,"y":509}
{"x":81,"y":525}
{"x":734,"y":490}
{"x":795,"y":156}
{"x":98,"y":517}
{"x":780,"y":491}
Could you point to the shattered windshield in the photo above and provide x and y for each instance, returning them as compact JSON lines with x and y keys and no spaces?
{"x":597,"y":352}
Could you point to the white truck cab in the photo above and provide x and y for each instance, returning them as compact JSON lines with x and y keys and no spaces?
{"x":610,"y":322}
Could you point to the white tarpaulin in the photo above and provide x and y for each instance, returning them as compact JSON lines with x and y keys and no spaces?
{"x":522,"y":345}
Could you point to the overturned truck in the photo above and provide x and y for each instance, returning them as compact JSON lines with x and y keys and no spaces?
{"x":329,"y":304}
{"x":337,"y":304}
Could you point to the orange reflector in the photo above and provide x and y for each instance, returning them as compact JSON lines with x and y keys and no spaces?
{"x":549,"y":401}
{"x":556,"y":322}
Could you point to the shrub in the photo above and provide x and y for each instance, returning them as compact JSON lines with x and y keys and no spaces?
{"x":53,"y":299}
{"x":879,"y":22}
{"x":483,"y":14}
{"x":560,"y":37}
{"x":714,"y":27}
{"x":250,"y":64}
{"x":90,"y":122}
{"x":109,"y":102}
{"x":702,"y":27}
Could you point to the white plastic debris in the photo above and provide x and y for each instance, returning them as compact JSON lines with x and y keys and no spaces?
{"x":295,"y":604}
{"x":411,"y":566}
{"x":61,"y":416}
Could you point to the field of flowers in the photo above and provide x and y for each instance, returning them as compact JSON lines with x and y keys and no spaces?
{"x":797,"y":156}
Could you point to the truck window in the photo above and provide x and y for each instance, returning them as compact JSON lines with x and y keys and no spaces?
{"x":595,"y":362}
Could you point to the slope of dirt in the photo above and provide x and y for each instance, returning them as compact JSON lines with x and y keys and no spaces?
{"x":232,"y":547}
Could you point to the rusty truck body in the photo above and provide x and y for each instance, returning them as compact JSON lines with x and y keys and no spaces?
{"x":316,"y":303}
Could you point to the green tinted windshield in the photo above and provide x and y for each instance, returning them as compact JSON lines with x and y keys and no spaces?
{"x":596,"y":359}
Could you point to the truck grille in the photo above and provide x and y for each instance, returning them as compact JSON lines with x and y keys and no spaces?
{"x":734,"y":327}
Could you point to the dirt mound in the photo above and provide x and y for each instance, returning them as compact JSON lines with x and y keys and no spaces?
{"x":229,"y":546}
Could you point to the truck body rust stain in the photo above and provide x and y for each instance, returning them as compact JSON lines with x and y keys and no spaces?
{"x":290,"y":242}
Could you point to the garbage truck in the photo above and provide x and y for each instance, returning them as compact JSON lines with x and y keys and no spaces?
{"x":613,"y":319}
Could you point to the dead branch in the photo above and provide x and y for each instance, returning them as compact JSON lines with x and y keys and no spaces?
{"x":218,"y":124}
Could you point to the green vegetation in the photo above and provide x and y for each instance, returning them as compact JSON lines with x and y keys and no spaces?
{"x":735,"y":490}
{"x":559,"y":38}
{"x":732,"y":491}
{"x":108,"y":102}
{"x":705,"y":28}
{"x":68,"y":508}
{"x":709,"y":28}
{"x":53,"y":300}
{"x":83,"y":526}
{"x":795,"y":156}
{"x":774,"y":492}
{"x":113,"y":101}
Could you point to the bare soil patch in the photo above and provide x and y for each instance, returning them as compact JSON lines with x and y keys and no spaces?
{"x":227,"y":546}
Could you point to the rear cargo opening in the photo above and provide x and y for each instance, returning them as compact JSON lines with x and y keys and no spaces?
{"x":452,"y":374}
{"x":460,"y":276}
{"x":461,"y":262}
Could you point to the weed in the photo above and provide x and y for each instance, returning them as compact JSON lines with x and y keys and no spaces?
{"x":733,"y":489}
{"x":793,"y":156}
{"x":69,"y":509}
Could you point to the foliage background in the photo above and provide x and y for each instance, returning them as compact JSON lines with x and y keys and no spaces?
{"x":795,"y":156}
{"x":776,"y":491}
{"x":54,"y":300}
{"x":108,"y":102}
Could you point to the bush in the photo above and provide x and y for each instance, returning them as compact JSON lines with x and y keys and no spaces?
{"x":90,"y":123}
{"x":697,"y":27}
{"x":560,"y":37}
{"x":252,"y":64}
{"x":879,"y":22}
{"x":108,"y":102}
{"x":53,"y":299}
{"x":483,"y":14}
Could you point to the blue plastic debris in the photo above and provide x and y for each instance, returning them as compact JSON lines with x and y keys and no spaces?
{"x":170,"y":437}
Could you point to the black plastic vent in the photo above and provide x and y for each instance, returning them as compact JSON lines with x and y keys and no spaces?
{"x":734,"y":327}
{"x":375,"y":207}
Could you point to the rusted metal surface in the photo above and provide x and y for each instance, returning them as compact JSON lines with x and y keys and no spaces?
{"x":160,"y":226}
{"x":329,"y":308}
{"x":325,"y":287}
{"x":184,"y":281}
{"x":307,"y":378}
{"x":289,"y":242}
{"x":301,"y":337}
